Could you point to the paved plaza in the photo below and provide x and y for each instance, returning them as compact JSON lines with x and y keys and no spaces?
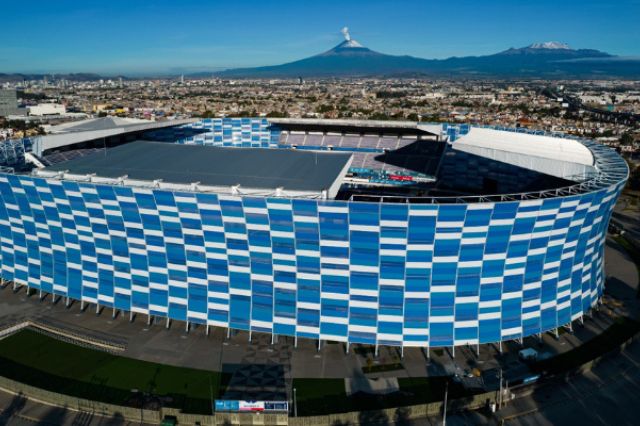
{"x":194,"y":348}
{"x":263,"y":369}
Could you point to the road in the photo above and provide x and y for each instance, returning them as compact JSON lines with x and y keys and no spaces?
{"x":18,"y":411}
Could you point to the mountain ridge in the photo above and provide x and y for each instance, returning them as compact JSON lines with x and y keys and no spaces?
{"x":352,"y":59}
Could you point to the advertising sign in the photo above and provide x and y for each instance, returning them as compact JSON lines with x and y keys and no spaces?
{"x":251,"y":406}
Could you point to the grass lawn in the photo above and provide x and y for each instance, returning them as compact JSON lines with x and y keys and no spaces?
{"x":324,"y":396}
{"x":379,"y":368}
{"x":47,"y":363}
{"x":320,"y":396}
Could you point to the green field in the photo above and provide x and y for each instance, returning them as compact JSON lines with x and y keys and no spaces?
{"x":47,"y":363}
{"x":325,"y":396}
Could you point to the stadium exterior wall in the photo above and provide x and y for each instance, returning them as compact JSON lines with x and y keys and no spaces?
{"x":391,"y":274}
{"x":425,"y":274}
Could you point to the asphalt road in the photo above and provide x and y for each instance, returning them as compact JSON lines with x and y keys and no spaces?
{"x":18,"y":411}
{"x":608,"y":395}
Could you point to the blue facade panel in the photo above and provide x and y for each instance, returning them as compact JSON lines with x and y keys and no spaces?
{"x":413,"y":275}
{"x":376,"y":273}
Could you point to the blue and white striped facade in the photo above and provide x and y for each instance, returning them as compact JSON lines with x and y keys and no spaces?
{"x":428,"y":274}
{"x":236,"y":132}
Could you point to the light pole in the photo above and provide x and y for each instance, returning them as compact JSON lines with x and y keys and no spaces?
{"x":295,"y":404}
{"x":444,"y":411}
{"x":213,"y":412}
{"x":500,"y":390}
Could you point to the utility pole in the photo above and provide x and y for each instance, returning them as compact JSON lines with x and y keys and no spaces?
{"x":444,"y":410}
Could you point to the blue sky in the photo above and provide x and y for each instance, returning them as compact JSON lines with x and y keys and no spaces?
{"x":138,"y":37}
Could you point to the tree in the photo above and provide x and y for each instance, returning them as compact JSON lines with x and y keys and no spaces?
{"x":634,"y":178}
{"x":277,"y":114}
{"x":626,"y":139}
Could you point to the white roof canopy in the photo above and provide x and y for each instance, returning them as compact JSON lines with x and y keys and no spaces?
{"x":564,"y":158}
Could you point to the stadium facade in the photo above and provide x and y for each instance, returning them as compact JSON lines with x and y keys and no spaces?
{"x":434,"y":236}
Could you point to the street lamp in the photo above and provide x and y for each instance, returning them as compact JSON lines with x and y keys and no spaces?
{"x":444,"y":411}
{"x":295,"y":404}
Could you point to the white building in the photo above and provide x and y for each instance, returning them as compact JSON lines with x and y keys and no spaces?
{"x":46,"y":109}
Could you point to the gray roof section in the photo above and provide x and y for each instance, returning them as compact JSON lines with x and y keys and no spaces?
{"x":214,"y":166}
{"x":87,"y":130}
{"x":92,"y":124}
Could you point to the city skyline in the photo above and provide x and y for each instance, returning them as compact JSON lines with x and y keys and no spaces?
{"x":138,"y":38}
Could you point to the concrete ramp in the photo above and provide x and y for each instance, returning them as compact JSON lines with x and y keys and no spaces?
{"x":379,"y":386}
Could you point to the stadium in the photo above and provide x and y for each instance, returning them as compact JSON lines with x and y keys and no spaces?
{"x":365,"y":232}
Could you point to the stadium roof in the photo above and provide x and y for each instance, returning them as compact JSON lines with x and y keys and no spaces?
{"x":93,"y":124}
{"x":303,"y":173}
{"x":560,"y":157}
{"x":97,"y":128}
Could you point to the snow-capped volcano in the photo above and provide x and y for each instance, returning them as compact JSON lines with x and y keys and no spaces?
{"x":348,"y":46}
{"x":550,"y":45}
{"x":352,"y":59}
{"x":348,"y":41}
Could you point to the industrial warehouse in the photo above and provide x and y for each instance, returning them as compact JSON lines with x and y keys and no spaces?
{"x":380,"y":233}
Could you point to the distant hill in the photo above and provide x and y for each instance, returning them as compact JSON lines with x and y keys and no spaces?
{"x":539,"y":60}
